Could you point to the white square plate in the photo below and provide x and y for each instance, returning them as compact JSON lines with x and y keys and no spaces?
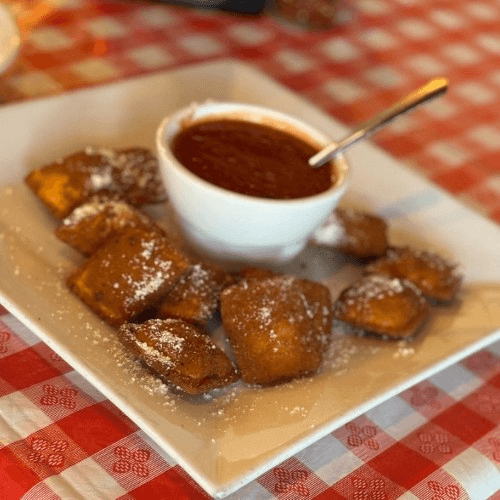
{"x":226,"y":441}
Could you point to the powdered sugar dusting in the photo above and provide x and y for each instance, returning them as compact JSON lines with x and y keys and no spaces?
{"x":375,"y":286}
{"x":122,"y":170}
{"x":101,"y":180}
{"x":117,"y":208}
{"x":331,"y":232}
{"x":151,"y":354}
{"x":268,"y":302}
{"x":431,"y":259}
{"x":158,"y":330}
{"x":150,"y":283}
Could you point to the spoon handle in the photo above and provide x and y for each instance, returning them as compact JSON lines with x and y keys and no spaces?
{"x":430,"y":90}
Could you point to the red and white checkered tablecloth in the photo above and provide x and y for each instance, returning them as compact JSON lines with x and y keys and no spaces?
{"x":439,"y":440}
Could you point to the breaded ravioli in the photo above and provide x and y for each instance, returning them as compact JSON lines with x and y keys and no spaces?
{"x":129,"y":273}
{"x":382,"y":305}
{"x":132,"y":173}
{"x":251,"y":273}
{"x":179,"y":353}
{"x":438,"y":278}
{"x":89,"y":225}
{"x":278,"y":327}
{"x":358,"y":234}
{"x":195,"y":297}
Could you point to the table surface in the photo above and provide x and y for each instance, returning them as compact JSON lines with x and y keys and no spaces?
{"x":447,"y":439}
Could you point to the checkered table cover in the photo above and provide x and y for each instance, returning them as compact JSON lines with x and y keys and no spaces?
{"x":439,"y":440}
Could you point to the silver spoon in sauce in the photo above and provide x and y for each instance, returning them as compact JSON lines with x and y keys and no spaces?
{"x":430,"y":90}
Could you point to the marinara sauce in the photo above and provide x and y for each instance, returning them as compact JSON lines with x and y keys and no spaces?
{"x":251,"y":159}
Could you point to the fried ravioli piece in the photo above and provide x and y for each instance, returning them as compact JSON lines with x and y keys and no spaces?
{"x":278,"y":328}
{"x":58,"y":188}
{"x":195,"y":297}
{"x":89,"y":225}
{"x":438,"y":279}
{"x":355,"y":233}
{"x":63,"y":185}
{"x":130,"y":272}
{"x":180,"y":353}
{"x":383,"y":305}
{"x":256,"y":273}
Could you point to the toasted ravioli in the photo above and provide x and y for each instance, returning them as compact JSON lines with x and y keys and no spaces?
{"x":179,"y":353}
{"x":278,"y":327}
{"x":251,"y":273}
{"x":438,"y":279}
{"x":195,"y":297}
{"x":355,"y":233}
{"x":89,"y":225}
{"x":129,"y":273}
{"x":383,"y":305}
{"x":63,"y":185}
{"x":59,"y":189}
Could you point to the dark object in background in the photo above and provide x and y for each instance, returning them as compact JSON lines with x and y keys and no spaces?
{"x":310,"y":14}
{"x":239,"y":6}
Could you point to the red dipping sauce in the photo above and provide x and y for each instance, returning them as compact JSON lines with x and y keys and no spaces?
{"x":251,"y":159}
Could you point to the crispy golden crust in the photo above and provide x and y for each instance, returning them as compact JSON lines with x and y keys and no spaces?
{"x":195,"y":297}
{"x":251,"y":273}
{"x":437,"y":278}
{"x":383,"y":305}
{"x":132,"y":173}
{"x":89,"y":225}
{"x":128,"y":273}
{"x":58,"y":188}
{"x":278,"y":328}
{"x":180,"y":353}
{"x":358,"y":234}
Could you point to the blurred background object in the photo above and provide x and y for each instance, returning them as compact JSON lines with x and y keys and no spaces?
{"x":9,"y":38}
{"x":237,"y":6}
{"x":311,"y":14}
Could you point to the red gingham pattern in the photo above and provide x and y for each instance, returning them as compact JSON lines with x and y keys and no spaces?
{"x":381,"y":50}
{"x":54,"y":431}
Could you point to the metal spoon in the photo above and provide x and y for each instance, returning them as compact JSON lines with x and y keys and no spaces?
{"x":430,"y":90}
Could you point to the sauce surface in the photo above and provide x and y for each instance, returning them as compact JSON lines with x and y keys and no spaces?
{"x":251,"y":159}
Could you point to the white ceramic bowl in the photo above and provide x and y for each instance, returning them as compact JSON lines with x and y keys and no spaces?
{"x":233,"y":226}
